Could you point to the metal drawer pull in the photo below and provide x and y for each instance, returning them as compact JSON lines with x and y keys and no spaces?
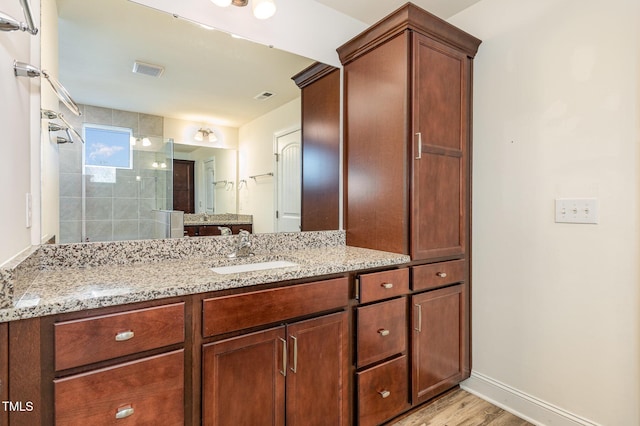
{"x":442,"y":274}
{"x":284,"y":357}
{"x":295,"y":354}
{"x":124,"y":335}
{"x":383,"y":332}
{"x":384,"y":393}
{"x":419,"y":327}
{"x":387,"y":285}
{"x":124,"y":412}
{"x":419,"y":135}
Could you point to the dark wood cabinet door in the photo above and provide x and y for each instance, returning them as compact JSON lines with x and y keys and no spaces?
{"x":376,"y":173}
{"x":440,"y":341}
{"x":183,"y":186}
{"x":441,"y":108}
{"x":209,"y":230}
{"x":191,"y":230}
{"x":321,"y":151}
{"x":317,"y":376}
{"x":235,"y":229}
{"x":243,"y":381}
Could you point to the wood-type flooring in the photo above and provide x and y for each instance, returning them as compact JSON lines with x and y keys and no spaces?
{"x":460,"y":408}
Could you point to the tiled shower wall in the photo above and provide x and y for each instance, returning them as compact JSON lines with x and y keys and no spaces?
{"x":122,"y":210}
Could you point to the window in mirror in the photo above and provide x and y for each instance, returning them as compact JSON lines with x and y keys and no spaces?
{"x":106,"y":149}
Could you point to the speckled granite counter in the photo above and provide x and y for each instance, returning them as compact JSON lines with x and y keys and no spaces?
{"x":85,"y":276}
{"x":191,"y":219}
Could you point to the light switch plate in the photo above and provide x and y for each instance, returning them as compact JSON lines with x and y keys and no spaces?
{"x":577,"y":210}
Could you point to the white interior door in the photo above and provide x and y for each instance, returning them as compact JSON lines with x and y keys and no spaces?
{"x":210,"y":193}
{"x":289,"y":179}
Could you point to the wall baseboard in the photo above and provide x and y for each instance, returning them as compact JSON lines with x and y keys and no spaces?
{"x":525,"y":406}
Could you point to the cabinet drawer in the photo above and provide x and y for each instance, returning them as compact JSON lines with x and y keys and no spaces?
{"x":89,"y":340}
{"x":382,"y":285}
{"x":437,"y":274}
{"x":237,"y":312}
{"x":147,"y":391}
{"x":382,"y":330}
{"x":382,"y":391}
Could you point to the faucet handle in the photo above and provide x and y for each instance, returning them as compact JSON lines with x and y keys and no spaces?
{"x":224,"y":230}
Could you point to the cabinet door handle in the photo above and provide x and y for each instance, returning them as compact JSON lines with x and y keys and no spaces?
{"x":283,"y":371}
{"x":418,"y":328}
{"x":383,"y":332}
{"x":386,"y":285}
{"x":124,"y":412}
{"x":295,"y":354}
{"x":384,"y":393}
{"x":419,"y":145}
{"x":124,"y":336}
{"x":442,"y":274}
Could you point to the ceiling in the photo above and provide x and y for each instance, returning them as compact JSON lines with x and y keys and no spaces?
{"x":371,"y":11}
{"x":209,"y":77}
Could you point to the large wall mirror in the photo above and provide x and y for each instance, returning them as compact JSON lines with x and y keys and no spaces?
{"x":184,"y":92}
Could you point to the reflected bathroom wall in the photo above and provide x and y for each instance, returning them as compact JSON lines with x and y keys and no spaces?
{"x":106,"y":203}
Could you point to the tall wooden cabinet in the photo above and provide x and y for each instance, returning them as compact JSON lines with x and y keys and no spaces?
{"x":320,"y":93}
{"x":407,"y":136}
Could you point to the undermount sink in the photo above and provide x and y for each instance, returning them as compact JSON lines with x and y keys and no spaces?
{"x":251,"y":267}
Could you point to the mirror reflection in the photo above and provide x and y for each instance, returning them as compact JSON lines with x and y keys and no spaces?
{"x":240,"y":93}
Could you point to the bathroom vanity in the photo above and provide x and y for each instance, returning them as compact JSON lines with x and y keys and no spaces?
{"x":312,"y":330}
{"x":203,"y":225}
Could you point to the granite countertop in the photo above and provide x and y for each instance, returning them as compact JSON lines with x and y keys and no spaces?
{"x":191,"y":219}
{"x":76,"y":288}
{"x":217,"y":222}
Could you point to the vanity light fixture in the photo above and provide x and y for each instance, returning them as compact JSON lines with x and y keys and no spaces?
{"x":144,"y":141}
{"x":207,"y":133}
{"x":262,"y":9}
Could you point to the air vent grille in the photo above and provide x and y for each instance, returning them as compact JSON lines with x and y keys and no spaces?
{"x":263,"y":95}
{"x":147,"y":69}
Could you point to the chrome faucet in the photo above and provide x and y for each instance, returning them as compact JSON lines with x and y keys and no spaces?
{"x":244,"y":245}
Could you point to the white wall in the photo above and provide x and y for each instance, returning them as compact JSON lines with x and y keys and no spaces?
{"x":226,"y":166}
{"x":255,"y":156}
{"x":20,"y":101}
{"x":556,"y":321}
{"x":50,"y":155}
{"x":225,"y":152}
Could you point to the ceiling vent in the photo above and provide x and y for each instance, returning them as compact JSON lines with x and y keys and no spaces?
{"x":147,"y":69}
{"x":263,"y":95}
